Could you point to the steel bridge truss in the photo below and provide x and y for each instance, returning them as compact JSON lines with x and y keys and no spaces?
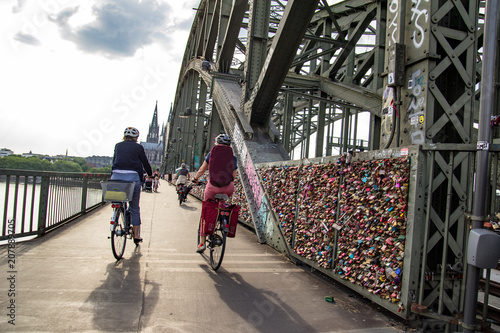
{"x":307,"y":78}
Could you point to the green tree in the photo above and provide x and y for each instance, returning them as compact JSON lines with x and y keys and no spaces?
{"x":34,"y":163}
{"x":106,"y":170}
{"x":21,"y":163}
{"x":67,"y":166}
{"x":82,"y":162}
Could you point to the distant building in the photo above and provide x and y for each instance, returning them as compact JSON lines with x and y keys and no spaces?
{"x":99,"y":161}
{"x":154,"y":144}
{"x":30,"y":154}
{"x":5,"y":152}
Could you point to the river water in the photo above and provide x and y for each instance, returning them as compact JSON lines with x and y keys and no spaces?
{"x":30,"y":211}
{"x":64,"y":202}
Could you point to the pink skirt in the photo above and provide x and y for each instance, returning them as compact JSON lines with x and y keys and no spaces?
{"x":211,"y":190}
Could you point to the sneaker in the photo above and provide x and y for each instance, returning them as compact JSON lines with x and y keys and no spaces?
{"x":201,"y":248}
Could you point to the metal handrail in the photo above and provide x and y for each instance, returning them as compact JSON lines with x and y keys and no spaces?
{"x":36,"y":202}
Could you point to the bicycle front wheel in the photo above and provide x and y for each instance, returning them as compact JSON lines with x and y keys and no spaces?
{"x":217,"y":245}
{"x":118,"y":234}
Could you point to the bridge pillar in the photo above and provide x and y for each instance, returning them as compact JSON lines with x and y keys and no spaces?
{"x":258,"y":27}
{"x":429,"y":100}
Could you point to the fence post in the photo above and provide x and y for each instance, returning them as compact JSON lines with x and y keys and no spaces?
{"x":6,"y":204}
{"x":44,"y":200}
{"x":84,"y":193}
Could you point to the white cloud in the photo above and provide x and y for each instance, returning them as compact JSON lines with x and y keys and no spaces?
{"x":98,"y":67}
{"x":19,"y":6}
{"x":27,"y":39}
{"x":120,"y":28}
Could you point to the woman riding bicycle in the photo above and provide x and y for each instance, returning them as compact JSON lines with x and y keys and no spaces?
{"x":221,"y":165}
{"x":129,"y":164}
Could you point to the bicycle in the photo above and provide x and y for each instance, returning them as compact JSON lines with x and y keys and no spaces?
{"x":216,"y":243}
{"x":183,"y":192}
{"x":119,"y":193}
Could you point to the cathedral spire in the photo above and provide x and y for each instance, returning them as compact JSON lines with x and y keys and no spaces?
{"x":153,"y":127}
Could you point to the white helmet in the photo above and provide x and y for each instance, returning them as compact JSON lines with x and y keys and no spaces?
{"x":223,"y":139}
{"x":131,"y":131}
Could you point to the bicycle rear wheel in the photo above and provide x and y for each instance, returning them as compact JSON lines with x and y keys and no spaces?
{"x":118,"y":234}
{"x":217,"y":245}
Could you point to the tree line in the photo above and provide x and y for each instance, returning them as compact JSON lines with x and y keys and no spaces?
{"x":70,"y":164}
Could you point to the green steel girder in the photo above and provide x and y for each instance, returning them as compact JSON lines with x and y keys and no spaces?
{"x":294,"y":23}
{"x":351,"y":40}
{"x":212,"y":30}
{"x":358,"y":32}
{"x":257,"y":43}
{"x":225,"y":58}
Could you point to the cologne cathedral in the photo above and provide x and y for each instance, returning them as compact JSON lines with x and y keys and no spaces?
{"x":154,"y":144}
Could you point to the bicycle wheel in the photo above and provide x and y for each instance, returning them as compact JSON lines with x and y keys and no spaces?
{"x":118,"y":234}
{"x":217,"y":245}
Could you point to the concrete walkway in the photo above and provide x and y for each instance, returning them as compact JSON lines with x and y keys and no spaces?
{"x":68,"y":281}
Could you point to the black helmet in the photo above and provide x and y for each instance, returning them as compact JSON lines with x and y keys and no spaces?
{"x":223,"y":139}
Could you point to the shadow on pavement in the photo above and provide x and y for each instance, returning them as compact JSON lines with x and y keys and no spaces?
{"x":263,"y":309}
{"x":118,"y":303}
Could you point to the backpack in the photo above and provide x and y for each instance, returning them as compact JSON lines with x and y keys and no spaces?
{"x":221,"y":165}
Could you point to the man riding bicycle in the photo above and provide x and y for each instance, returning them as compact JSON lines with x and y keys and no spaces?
{"x":182,"y":176}
{"x":221,"y":164}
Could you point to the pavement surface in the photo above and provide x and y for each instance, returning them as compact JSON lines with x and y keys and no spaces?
{"x":69,"y":281}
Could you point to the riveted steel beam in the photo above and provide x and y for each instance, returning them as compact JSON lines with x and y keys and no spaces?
{"x":294,"y":24}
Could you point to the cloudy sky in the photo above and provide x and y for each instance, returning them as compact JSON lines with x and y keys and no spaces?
{"x":74,"y":74}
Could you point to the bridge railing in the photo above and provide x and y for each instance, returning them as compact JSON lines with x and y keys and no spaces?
{"x":35,"y":202}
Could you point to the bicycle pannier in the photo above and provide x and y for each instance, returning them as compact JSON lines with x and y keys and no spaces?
{"x":209,"y":215}
{"x":233,"y":220}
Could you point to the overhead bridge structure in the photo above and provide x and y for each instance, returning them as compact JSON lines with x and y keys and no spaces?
{"x":349,"y":93}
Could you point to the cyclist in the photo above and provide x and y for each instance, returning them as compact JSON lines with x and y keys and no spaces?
{"x":182,"y":176}
{"x":129,"y":164}
{"x":221,"y":165}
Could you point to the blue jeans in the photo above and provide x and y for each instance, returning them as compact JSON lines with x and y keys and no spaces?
{"x":135,"y":210}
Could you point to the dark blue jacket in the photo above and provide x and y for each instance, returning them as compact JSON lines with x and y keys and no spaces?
{"x":129,"y":155}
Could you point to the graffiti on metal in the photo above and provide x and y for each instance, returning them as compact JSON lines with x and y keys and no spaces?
{"x":393,"y":25}
{"x":253,"y":181}
{"x":415,"y":111}
{"x":266,"y":217}
{"x":416,"y":20}
{"x":239,"y":145}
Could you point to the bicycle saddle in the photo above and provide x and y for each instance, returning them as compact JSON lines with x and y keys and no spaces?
{"x":221,"y":196}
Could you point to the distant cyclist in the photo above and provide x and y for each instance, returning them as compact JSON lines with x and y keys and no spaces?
{"x":129,"y":164}
{"x":221,"y":164}
{"x":182,"y":176}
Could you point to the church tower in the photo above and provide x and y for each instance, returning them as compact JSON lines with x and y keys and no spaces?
{"x":153,"y":147}
{"x":154,"y":130}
